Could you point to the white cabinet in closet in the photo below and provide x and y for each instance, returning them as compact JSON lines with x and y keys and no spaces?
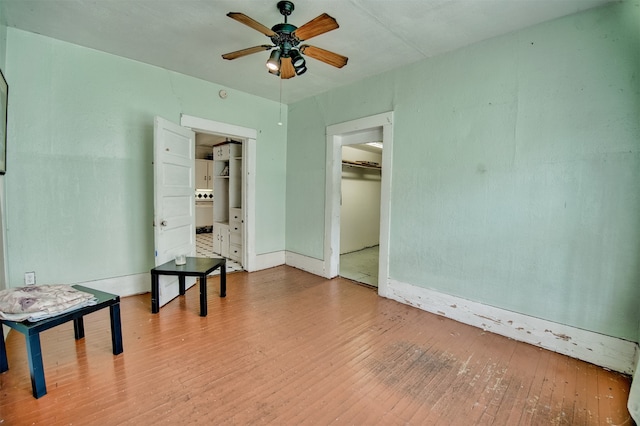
{"x":204,"y":174}
{"x":221,"y":239}
{"x":235,"y":234}
{"x":227,"y":209}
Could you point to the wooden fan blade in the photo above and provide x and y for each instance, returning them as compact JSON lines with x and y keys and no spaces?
{"x":319,"y":25}
{"x":286,"y":68}
{"x":245,"y":52}
{"x":250,"y":22}
{"x":325,"y":56}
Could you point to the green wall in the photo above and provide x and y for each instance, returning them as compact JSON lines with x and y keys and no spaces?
{"x":80,"y":178}
{"x":3,"y":278}
{"x":3,"y":45}
{"x":516,"y":167}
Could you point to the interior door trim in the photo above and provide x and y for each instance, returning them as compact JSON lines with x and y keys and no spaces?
{"x":337,"y":136}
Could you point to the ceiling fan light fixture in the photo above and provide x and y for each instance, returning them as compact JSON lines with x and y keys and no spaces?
{"x":273,"y":64}
{"x":296,"y":58}
{"x":301,"y":70}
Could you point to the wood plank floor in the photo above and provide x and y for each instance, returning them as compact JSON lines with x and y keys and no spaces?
{"x":286,"y":347}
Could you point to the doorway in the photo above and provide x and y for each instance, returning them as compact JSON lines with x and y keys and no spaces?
{"x":212,"y":132}
{"x":360,"y":212}
{"x":208,"y":181}
{"x":377,"y":128}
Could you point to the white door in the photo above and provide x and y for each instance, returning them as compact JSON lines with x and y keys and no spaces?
{"x":174,"y":204}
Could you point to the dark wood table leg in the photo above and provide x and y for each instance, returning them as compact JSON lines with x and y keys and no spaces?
{"x":155,"y":298}
{"x":34,"y":355}
{"x":223,"y":280}
{"x":4,"y":363}
{"x":181,"y":284}
{"x":116,"y":328}
{"x":203,"y":295}
{"x":78,"y":328}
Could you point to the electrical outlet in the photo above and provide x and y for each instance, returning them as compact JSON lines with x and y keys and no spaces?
{"x":29,"y":278}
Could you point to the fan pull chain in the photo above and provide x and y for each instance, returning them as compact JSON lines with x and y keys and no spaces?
{"x":280,"y":121}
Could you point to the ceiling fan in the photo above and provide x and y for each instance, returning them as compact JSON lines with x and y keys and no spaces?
{"x":286,"y":58}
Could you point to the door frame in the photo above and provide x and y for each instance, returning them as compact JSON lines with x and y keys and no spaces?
{"x":349,"y":133}
{"x":248,"y":136}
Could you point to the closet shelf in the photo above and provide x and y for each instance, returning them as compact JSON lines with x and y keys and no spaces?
{"x":360,"y":165}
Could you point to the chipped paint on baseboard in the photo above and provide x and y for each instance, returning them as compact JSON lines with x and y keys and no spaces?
{"x":606,"y":351}
{"x":559,"y":335}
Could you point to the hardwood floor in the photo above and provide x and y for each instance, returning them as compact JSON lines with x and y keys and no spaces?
{"x":286,"y":347}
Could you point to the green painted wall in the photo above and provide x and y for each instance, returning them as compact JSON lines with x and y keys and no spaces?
{"x":3,"y":278}
{"x":516,"y":167}
{"x":3,"y":45}
{"x":80,"y":177}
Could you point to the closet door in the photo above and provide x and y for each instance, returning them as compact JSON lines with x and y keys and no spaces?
{"x":174,"y":204}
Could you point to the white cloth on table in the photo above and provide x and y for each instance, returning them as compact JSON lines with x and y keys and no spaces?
{"x":38,"y":302}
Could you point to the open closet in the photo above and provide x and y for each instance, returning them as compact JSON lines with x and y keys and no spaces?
{"x":218,"y":198}
{"x":360,"y":212}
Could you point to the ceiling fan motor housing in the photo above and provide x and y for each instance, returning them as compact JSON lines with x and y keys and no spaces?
{"x":284,"y":38}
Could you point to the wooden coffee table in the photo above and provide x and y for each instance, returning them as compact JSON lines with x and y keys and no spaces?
{"x":195,"y":267}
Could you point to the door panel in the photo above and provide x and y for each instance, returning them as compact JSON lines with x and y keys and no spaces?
{"x":178,"y":236}
{"x":177,"y":209}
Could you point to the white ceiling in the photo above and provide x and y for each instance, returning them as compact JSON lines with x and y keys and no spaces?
{"x":189,"y":36}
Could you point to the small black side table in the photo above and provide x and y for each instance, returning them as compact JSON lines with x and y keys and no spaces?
{"x":195,"y":267}
{"x":31,"y":331}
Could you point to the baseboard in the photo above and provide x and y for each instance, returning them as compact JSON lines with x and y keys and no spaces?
{"x":633,"y":405}
{"x":141,"y":283}
{"x":269,"y":260}
{"x":309,"y":264}
{"x":605,"y":351}
{"x":127,"y":285}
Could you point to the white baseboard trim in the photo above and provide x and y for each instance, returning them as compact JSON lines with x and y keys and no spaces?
{"x":127,"y":285}
{"x":269,"y":260}
{"x":605,"y":351}
{"x":309,"y":264}
{"x":633,"y":404}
